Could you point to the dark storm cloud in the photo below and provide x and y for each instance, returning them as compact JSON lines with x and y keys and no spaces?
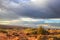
{"x":12,"y":9}
{"x":55,"y":8}
{"x":51,"y":11}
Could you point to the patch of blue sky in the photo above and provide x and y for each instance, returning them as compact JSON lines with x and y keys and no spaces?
{"x":52,"y":21}
{"x":18,"y":1}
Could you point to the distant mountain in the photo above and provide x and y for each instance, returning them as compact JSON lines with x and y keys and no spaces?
{"x":11,"y":26}
{"x":54,"y":24}
{"x":51,"y":25}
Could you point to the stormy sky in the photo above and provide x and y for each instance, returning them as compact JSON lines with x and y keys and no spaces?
{"x":19,"y":12}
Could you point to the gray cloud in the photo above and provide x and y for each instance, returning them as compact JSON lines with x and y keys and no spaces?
{"x":14,"y":9}
{"x":52,"y":10}
{"x":6,"y":12}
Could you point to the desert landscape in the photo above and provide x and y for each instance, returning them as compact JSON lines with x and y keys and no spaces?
{"x":28,"y":33}
{"x":29,"y":19}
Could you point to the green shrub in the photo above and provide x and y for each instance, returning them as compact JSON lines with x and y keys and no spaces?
{"x":42,"y":31}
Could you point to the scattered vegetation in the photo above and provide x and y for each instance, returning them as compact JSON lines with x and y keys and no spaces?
{"x":42,"y":31}
{"x":30,"y":34}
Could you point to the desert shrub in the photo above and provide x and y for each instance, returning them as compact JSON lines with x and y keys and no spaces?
{"x":28,"y":34}
{"x":34,"y":32}
{"x":31,"y":31}
{"x":8,"y":35}
{"x":3,"y":31}
{"x":23,"y":39}
{"x":15,"y":34}
{"x":41,"y":30}
{"x":57,"y":38}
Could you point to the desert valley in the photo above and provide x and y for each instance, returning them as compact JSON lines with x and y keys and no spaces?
{"x":28,"y":33}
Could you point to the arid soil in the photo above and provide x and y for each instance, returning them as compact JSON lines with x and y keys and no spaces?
{"x":29,"y":34}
